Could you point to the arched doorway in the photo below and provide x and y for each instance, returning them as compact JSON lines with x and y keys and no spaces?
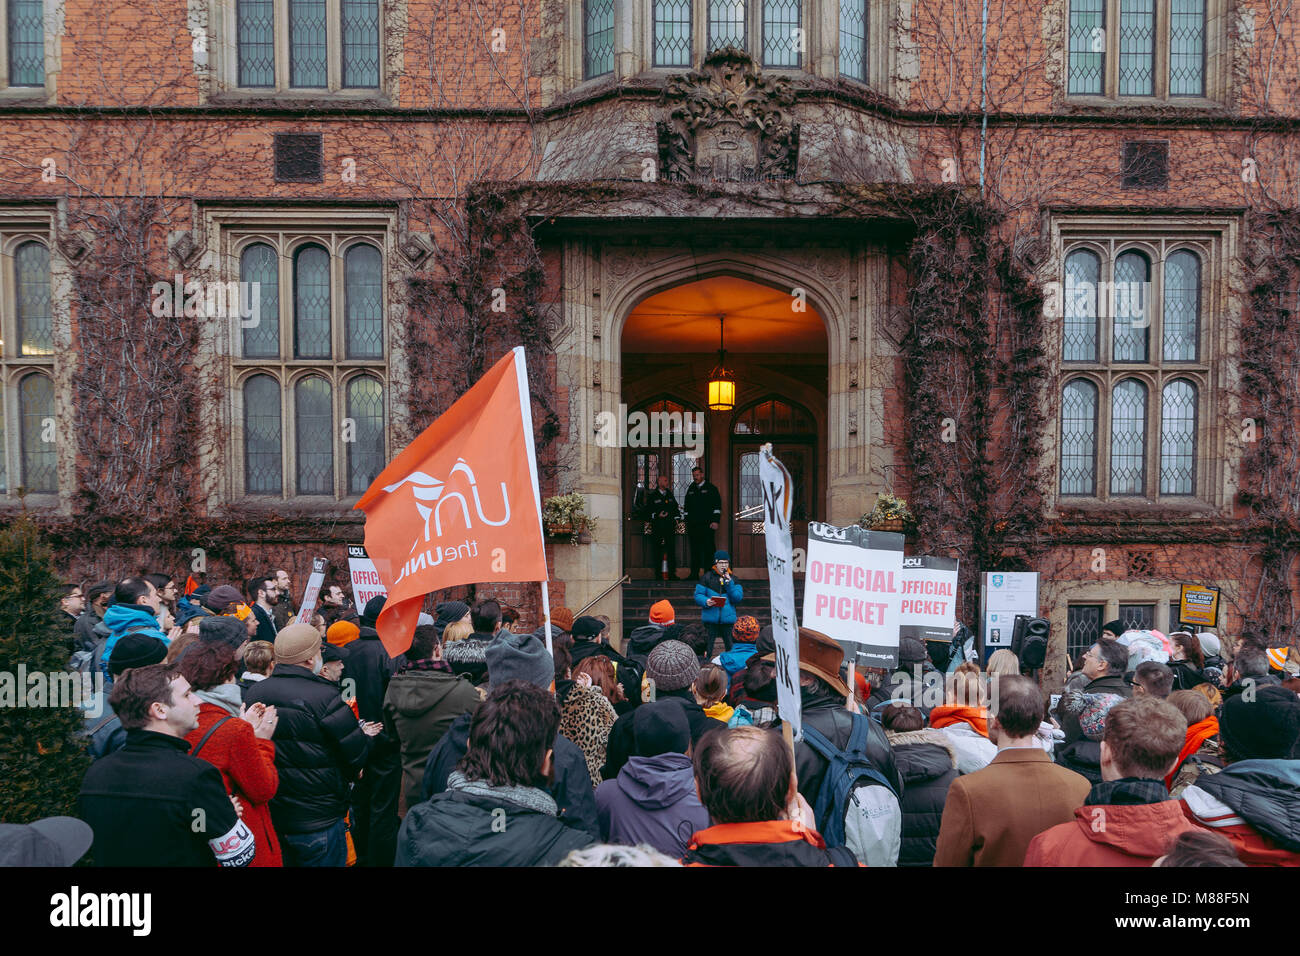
{"x":777,"y":348}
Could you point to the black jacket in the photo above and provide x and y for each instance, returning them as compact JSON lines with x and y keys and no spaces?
{"x":827,"y":714}
{"x":628,"y":671}
{"x":928,"y":765}
{"x":265,"y":624}
{"x":573,"y":791}
{"x":622,"y":742}
{"x":661,"y":506}
{"x":641,"y":642}
{"x":319,"y":748}
{"x":1077,"y":752}
{"x":459,"y":828}
{"x":468,"y":658}
{"x":370,"y":666}
{"x":703,"y":504}
{"x":1186,"y":675}
{"x":152,"y":804}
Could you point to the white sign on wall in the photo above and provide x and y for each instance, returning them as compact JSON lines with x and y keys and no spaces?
{"x":1003,"y":595}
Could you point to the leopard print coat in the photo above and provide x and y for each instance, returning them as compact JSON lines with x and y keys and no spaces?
{"x":586,"y":718}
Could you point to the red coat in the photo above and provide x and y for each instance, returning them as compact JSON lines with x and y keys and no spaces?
{"x":247,"y":766}
{"x":1253,"y":848}
{"x":1113,"y":835}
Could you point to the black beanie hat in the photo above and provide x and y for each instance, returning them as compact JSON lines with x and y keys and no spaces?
{"x":373,"y":607}
{"x":135,"y":650}
{"x":449,"y":612}
{"x":1115,"y":627}
{"x":661,"y":728}
{"x":1265,"y":728}
{"x":586,"y":627}
{"x":766,"y":642}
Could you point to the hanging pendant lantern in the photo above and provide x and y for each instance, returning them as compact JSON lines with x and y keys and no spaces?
{"x":722,"y":384}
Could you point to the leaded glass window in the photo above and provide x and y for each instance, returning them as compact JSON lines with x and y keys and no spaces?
{"x":854,"y":28}
{"x":1187,"y":48}
{"x":1129,"y":306}
{"x":26,"y":28}
{"x":255,"y":29}
{"x":314,"y":435}
{"x":1182,"y":306}
{"x":1137,"y":47}
{"x":360,"y":43}
{"x":308,"y":63}
{"x":311,"y":302}
{"x":1178,"y":438}
{"x":365,"y":408}
{"x":364,"y":306}
{"x":263,"y":452}
{"x":727,"y":24}
{"x":783,"y":39}
{"x":259,"y":266}
{"x":37,"y":438}
{"x":598,"y":38}
{"x":1082,"y":277}
{"x":672,"y":33}
{"x":1087,"y":46}
{"x":1128,"y":438}
{"x":32,"y":299}
{"x":1079,"y":438}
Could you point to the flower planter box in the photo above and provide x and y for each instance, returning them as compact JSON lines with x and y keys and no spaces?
{"x":887,"y":524}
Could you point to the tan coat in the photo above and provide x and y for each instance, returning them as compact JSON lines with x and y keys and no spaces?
{"x":992,"y":814}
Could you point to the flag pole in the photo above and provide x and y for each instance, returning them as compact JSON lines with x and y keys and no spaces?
{"x":546,"y":613}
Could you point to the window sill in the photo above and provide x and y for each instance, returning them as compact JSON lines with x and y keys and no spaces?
{"x":290,"y":99}
{"x":302,"y":506}
{"x":24,"y":96}
{"x":1196,"y":103}
{"x":1108,"y":509}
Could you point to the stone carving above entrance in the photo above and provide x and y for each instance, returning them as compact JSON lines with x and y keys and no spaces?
{"x":729,"y":122}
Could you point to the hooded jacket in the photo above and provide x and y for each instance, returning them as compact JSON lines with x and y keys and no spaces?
{"x":319,"y":748}
{"x":464,"y":826}
{"x":711,"y":586}
{"x":123,"y":619}
{"x":369,"y":665}
{"x":652,"y":801}
{"x":641,"y":643}
{"x":1256,"y":805}
{"x":571,"y":790}
{"x":734,"y":660}
{"x":468,"y":658}
{"x":419,"y":707}
{"x":927,"y":762}
{"x":1186,"y":675}
{"x":1126,"y":822}
{"x":622,"y":742}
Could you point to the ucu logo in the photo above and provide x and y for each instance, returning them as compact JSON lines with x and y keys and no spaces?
{"x":827,"y":532}
{"x":431,"y":495}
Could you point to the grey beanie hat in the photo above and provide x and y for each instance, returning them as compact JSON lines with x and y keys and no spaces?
{"x":519,"y":657}
{"x":672,"y":666}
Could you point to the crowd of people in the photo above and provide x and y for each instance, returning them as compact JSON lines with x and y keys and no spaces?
{"x":234,"y":733}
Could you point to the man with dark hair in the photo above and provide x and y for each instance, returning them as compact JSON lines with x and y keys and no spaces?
{"x":319,"y":750}
{"x":522,"y":657}
{"x":422,"y":700}
{"x":262,"y":597}
{"x":1082,"y":713}
{"x":1254,"y":800}
{"x":587,"y":643}
{"x":662,"y":512}
{"x":71,"y":603}
{"x":991,"y":815}
{"x":495,"y":810}
{"x":286,"y":607}
{"x":486,"y":618}
{"x":1152,"y":679}
{"x":1129,"y":819}
{"x":1249,"y":669}
{"x":151,"y":803}
{"x":334,"y":605}
{"x":98,"y":597}
{"x":166,"y":586}
{"x":745,"y":779}
{"x":703,"y":515}
{"x":1113,"y":630}
{"x":134,"y":611}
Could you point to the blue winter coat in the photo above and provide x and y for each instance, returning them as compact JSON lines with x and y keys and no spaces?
{"x":734,"y":660}
{"x":121,"y":619}
{"x":711,"y":586}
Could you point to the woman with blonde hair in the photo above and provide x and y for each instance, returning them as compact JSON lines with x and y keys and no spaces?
{"x":457,"y":631}
{"x":964,"y":718}
{"x":1003,"y":662}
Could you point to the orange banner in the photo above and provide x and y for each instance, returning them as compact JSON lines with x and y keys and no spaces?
{"x":460,"y":505}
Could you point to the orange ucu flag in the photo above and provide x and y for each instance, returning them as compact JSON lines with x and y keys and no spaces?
{"x":460,"y":505}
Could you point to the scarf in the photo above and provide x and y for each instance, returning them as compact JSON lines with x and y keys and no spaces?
{"x":225,"y":696}
{"x":948,"y":714}
{"x":1197,"y":734}
{"x":720,"y":711}
{"x":1127,"y":791}
{"x":425,"y":665}
{"x":530,"y":798}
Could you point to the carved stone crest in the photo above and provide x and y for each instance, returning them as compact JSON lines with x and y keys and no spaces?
{"x":729,"y":122}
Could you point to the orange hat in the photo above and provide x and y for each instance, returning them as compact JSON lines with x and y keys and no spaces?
{"x":661,"y":612}
{"x":562,"y":618}
{"x":342,"y":632}
{"x":241,"y":612}
{"x":1276,"y":657}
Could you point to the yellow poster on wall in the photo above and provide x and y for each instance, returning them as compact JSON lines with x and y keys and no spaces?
{"x":1199,"y":606}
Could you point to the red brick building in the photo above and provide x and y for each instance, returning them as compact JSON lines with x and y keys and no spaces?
{"x":1030,"y":266}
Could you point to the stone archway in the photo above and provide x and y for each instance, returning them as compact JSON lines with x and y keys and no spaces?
{"x":604,"y":279}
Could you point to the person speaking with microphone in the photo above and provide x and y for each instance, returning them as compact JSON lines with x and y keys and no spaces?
{"x":717,"y":594}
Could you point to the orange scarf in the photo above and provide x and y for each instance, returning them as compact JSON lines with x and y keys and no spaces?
{"x":977,"y":717}
{"x":1197,"y":734}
